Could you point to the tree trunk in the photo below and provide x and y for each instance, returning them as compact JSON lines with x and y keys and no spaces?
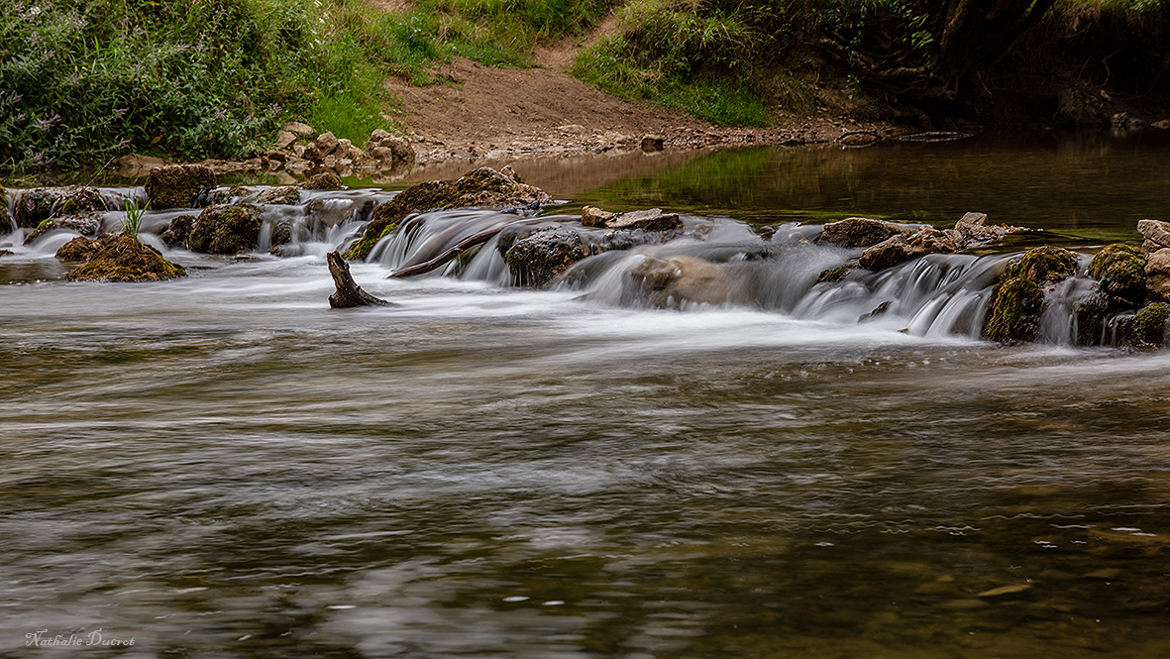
{"x":348,"y":293}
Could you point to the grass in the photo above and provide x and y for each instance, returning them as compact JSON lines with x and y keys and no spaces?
{"x":132,"y":222}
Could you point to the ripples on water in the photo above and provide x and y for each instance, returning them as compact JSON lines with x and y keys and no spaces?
{"x":222,"y":466}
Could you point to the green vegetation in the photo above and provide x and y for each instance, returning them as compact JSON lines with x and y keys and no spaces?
{"x":132,"y":222}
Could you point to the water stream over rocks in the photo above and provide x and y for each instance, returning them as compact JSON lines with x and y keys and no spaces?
{"x":219,"y":465}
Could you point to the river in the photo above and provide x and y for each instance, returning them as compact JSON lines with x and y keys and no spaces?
{"x":222,"y":466}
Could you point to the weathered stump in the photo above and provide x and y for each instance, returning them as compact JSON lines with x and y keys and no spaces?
{"x":348,"y":293}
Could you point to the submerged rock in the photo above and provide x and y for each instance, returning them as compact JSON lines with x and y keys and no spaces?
{"x":1158,"y":275}
{"x":323,"y":181}
{"x":86,"y":225}
{"x":838,"y":273}
{"x":119,"y":258}
{"x":484,"y":187}
{"x":1014,"y":314}
{"x":1043,"y":265}
{"x":1122,"y":272}
{"x":225,"y":229}
{"x":859,"y":232}
{"x":285,"y":195}
{"x":904,"y":247}
{"x":179,"y":186}
{"x":541,"y":256}
{"x":672,"y":282}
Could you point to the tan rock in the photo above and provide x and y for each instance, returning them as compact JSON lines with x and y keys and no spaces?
{"x":327,"y":143}
{"x":1155,"y":231}
{"x":901,"y":248}
{"x":591,"y":216}
{"x":859,"y":232}
{"x":685,"y":279}
{"x":1158,"y":275}
{"x":284,"y":139}
{"x":647,"y":220}
{"x":297,"y":128}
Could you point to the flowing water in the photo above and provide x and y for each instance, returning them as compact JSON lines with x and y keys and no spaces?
{"x":222,"y":466}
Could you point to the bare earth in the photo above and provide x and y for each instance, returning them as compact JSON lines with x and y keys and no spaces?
{"x":489,"y":112}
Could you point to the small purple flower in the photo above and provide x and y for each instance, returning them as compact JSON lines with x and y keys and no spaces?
{"x":46,"y":124}
{"x":20,"y":117}
{"x":220,"y":113}
{"x":123,"y":144}
{"x":120,"y":112}
{"x":16,"y":96}
{"x":36,"y":157}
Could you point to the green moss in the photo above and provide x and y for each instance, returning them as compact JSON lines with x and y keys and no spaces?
{"x":323,"y":181}
{"x":1043,"y":265}
{"x":1122,"y":272}
{"x":225,"y":229}
{"x":1014,"y":316}
{"x":6,"y":223}
{"x":123,"y":258}
{"x":1150,"y":324}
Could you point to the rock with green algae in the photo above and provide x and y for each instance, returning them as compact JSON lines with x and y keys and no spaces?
{"x":1043,"y":265}
{"x":118,"y":258}
{"x":323,"y":181}
{"x":176,"y":233}
{"x":1014,"y":314}
{"x":1150,"y":326}
{"x":483,"y":187}
{"x":224,"y":229}
{"x":1122,"y":272}
{"x":179,"y":186}
{"x":6,"y":223}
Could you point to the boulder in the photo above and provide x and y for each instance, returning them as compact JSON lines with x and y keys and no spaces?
{"x":974,"y":230}
{"x":285,"y":195}
{"x":1122,"y":272}
{"x":1014,"y":313}
{"x":323,"y":181}
{"x":284,"y":139}
{"x":176,"y":233}
{"x":327,"y":143}
{"x":122,"y":258}
{"x":1043,"y":265}
{"x":541,"y":256}
{"x":1150,"y":326}
{"x":904,"y":247}
{"x":6,"y":223}
{"x":298,"y":128}
{"x":483,"y":187}
{"x":1156,"y":234}
{"x":178,"y":186}
{"x":1158,"y":275}
{"x":1091,"y":313}
{"x":652,"y":143}
{"x":86,"y":225}
{"x":672,"y":282}
{"x":647,"y":220}
{"x":39,"y":204}
{"x":224,"y":229}
{"x":591,"y":216}
{"x":859,"y":232}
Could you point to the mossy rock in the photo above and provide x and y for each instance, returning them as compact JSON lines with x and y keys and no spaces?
{"x":1150,"y":326}
{"x":179,"y":186}
{"x":78,"y":249}
{"x":6,"y":223}
{"x":538,"y":258}
{"x":122,"y":258}
{"x":323,"y":181}
{"x":176,"y":233}
{"x":1043,"y":265}
{"x":1014,"y":315}
{"x":224,"y":229}
{"x":39,"y":204}
{"x":483,"y":187}
{"x":1122,"y":272}
{"x":838,"y":273}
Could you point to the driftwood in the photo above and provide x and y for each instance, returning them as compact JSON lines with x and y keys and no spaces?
{"x":456,"y":250}
{"x":348,"y":293}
